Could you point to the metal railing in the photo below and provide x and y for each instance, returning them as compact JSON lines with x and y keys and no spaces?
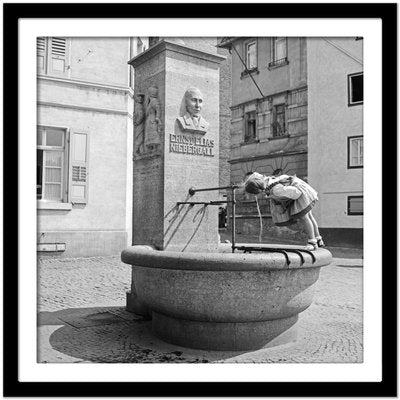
{"x":192,"y":191}
{"x":276,"y":63}
{"x":244,"y":248}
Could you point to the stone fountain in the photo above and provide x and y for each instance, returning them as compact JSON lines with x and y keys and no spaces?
{"x":198,"y":292}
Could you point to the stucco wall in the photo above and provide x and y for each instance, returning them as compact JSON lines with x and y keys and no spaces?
{"x":225,"y":101}
{"x":104,"y":112}
{"x":330,"y":122}
{"x":107,"y":174}
{"x":271,"y":81}
{"x":97,"y":59}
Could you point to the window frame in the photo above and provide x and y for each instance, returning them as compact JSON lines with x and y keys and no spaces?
{"x":246,"y":119}
{"x":48,"y":56}
{"x":349,"y":212}
{"x":274,"y":118}
{"x":64,"y":162}
{"x":246,"y":51}
{"x":349,"y":154}
{"x":349,"y":89}
{"x":246,"y":70}
{"x":275,"y":62}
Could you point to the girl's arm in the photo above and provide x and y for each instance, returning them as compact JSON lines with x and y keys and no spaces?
{"x":287,"y":192}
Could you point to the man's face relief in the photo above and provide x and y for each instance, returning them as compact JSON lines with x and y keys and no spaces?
{"x":194,"y":103}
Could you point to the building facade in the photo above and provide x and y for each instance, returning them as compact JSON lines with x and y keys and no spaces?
{"x":269,"y":116}
{"x":297,"y":108}
{"x":335,"y":132}
{"x":84,"y":144}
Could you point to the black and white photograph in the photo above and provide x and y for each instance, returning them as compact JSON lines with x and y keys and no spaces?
{"x":228,"y":172}
{"x":204,"y":207}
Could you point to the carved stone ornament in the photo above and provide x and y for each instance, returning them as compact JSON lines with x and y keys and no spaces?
{"x":138,"y":121}
{"x":192,"y":121}
{"x":152,"y":131}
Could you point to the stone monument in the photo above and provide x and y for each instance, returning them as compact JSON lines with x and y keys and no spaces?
{"x":198,"y":293}
{"x":176,"y":146}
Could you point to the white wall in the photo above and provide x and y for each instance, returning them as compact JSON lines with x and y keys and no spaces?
{"x":330,"y":122}
{"x":94,"y":97}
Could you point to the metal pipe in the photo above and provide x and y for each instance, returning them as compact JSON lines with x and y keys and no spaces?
{"x":233,"y":220}
{"x":192,"y":190}
{"x":193,"y":202}
{"x":204,"y":202}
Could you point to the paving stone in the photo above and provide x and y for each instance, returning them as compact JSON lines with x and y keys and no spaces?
{"x":82,"y":318}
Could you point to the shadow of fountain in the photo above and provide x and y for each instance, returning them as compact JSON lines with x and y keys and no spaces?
{"x":178,"y":216}
{"x":113,"y":335}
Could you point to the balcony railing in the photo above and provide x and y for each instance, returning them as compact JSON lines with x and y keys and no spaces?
{"x":278,"y":129}
{"x":278,"y":63}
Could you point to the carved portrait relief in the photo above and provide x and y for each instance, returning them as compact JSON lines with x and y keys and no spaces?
{"x":192,"y":121}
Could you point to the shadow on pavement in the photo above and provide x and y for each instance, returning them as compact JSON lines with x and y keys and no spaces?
{"x":113,"y":335}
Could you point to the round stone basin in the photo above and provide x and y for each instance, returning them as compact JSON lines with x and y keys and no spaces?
{"x":224,"y":300}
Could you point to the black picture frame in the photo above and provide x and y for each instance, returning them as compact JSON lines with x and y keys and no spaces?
{"x":12,"y":12}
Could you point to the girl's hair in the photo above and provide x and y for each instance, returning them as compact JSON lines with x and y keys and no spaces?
{"x":254,"y":184}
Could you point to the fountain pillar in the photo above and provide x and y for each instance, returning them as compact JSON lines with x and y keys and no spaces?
{"x":176,"y":147}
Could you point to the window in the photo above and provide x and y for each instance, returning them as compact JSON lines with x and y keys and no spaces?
{"x":355,"y":205}
{"x":152,"y":40}
{"x":278,"y":51}
{"x":140,"y":46}
{"x":51,"y":170}
{"x":251,"y":55}
{"x":250,"y":133}
{"x":61,"y":171}
{"x":279,"y":120}
{"x":355,"y":89}
{"x":355,"y":152}
{"x":52,"y":55}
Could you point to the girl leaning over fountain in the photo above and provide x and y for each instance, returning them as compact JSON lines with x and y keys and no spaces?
{"x":291,"y":199}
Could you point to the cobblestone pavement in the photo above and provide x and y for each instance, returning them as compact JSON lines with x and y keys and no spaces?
{"x":82,"y":319}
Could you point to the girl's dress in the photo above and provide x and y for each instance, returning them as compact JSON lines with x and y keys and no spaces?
{"x":291,"y":198}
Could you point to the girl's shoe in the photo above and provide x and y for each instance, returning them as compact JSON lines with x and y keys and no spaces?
{"x":312,"y":245}
{"x":320,"y":242}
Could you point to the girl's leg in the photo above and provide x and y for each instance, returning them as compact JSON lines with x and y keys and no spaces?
{"x":314,"y":222}
{"x":308,"y":225}
{"x":316,"y":231}
{"x":312,"y":241}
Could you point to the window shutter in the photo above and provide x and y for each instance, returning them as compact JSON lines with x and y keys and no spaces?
{"x":79,"y":168}
{"x":58,"y":54}
{"x":41,"y":50}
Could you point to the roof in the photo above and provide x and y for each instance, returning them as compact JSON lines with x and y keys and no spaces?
{"x":226,"y":42}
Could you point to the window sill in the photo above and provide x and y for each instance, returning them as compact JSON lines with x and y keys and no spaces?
{"x":277,"y":64}
{"x":279,"y":137}
{"x":255,"y":141}
{"x":358,"y":103}
{"x":48,"y":205}
{"x":245,"y":74}
{"x":355,"y":166}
